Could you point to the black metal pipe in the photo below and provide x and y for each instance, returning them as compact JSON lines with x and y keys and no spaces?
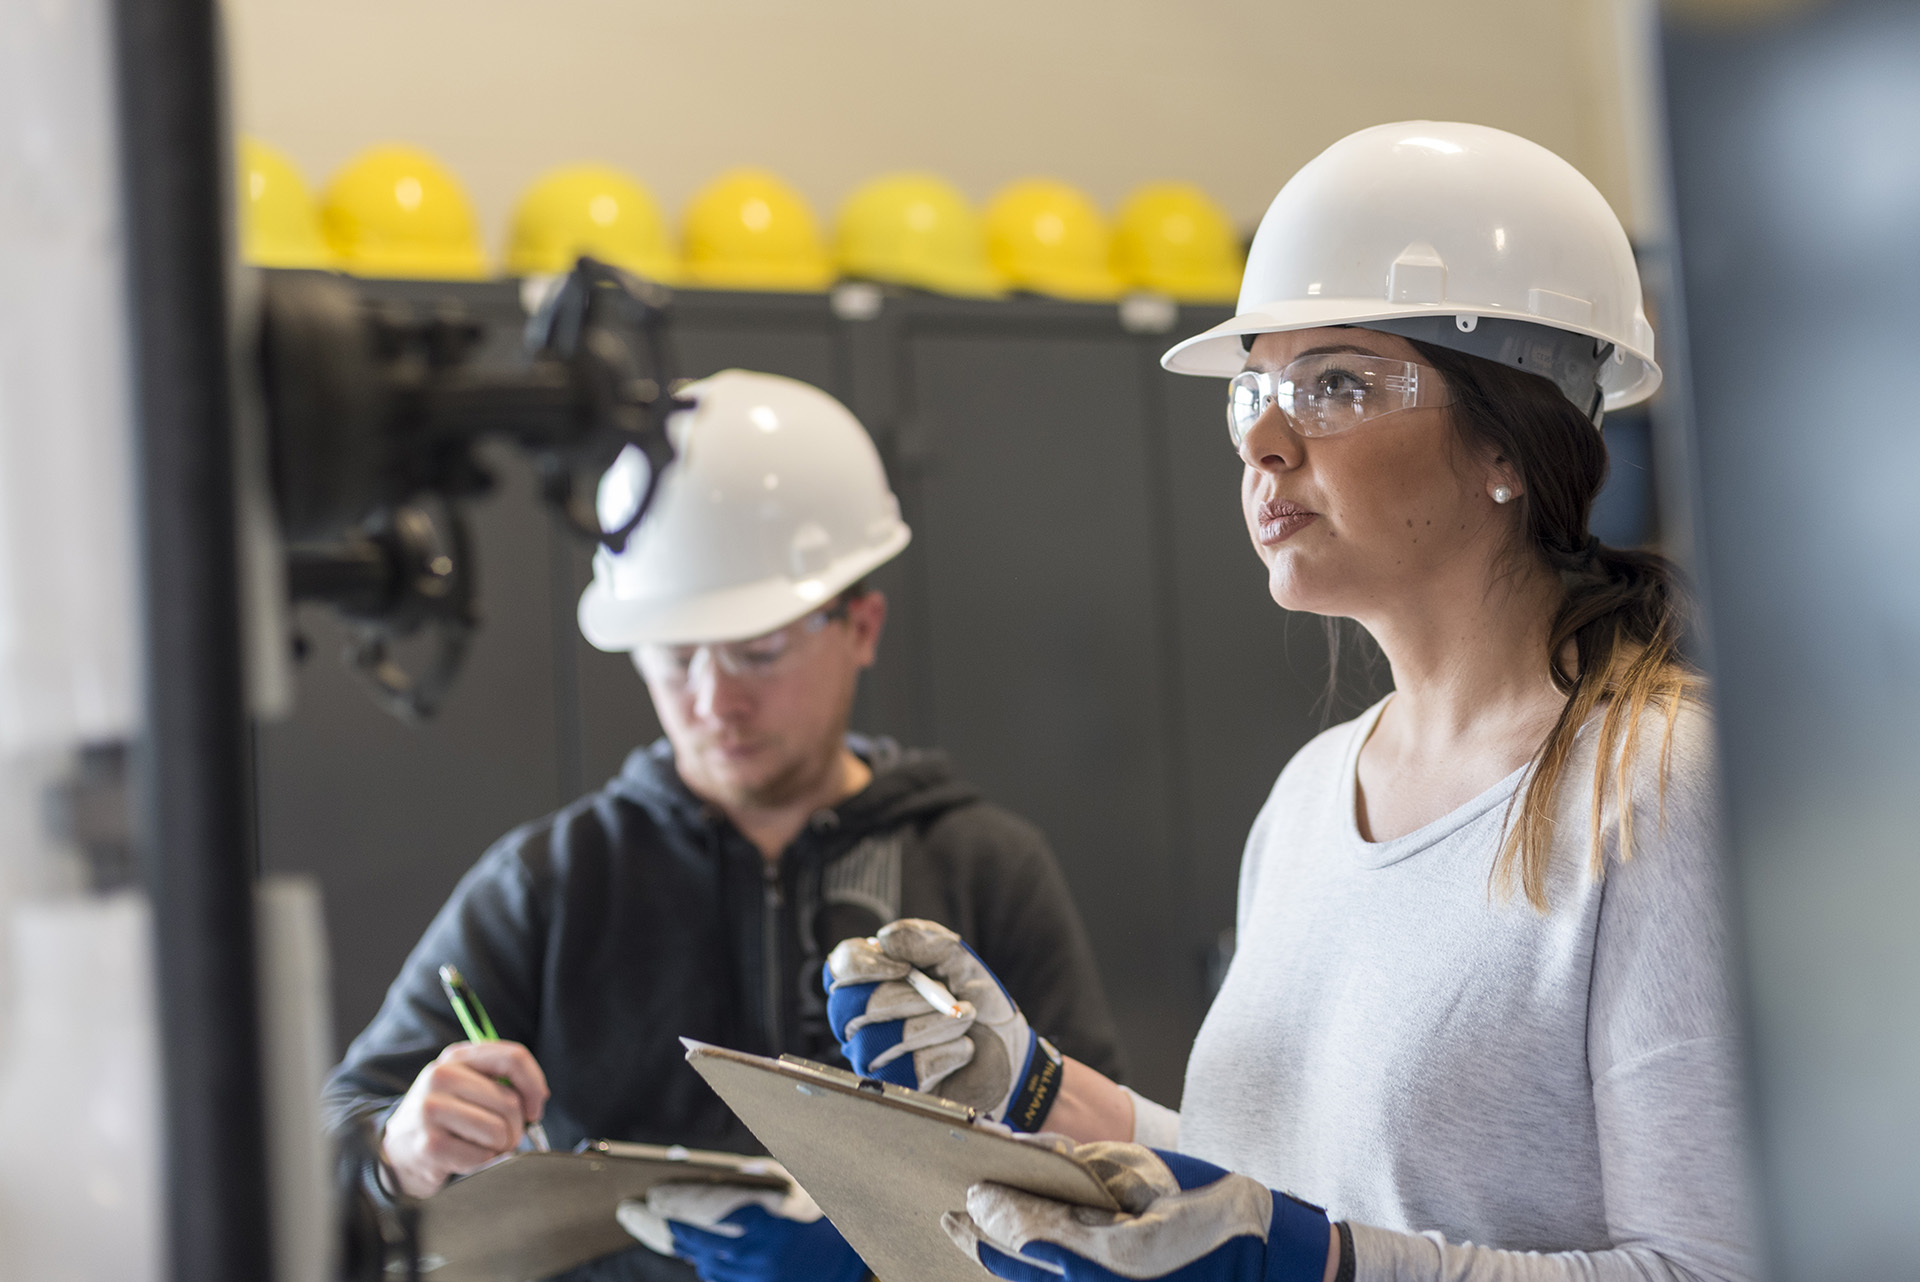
{"x":194,"y":809}
{"x":358,"y":574}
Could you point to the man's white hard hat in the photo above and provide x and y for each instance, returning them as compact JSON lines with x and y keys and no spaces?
{"x":1429,"y":229}
{"x":776,"y":503}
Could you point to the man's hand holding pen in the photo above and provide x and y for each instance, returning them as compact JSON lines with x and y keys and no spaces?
{"x":478,"y":1101}
{"x":468,"y":1107}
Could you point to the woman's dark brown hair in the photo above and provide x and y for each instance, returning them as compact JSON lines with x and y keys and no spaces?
{"x":1624,"y":610}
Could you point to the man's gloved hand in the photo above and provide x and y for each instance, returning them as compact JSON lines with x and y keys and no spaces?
{"x":735,"y":1234}
{"x":1179,"y":1217}
{"x":986,"y":1057}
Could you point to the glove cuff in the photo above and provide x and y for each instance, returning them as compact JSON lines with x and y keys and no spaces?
{"x":1038,"y":1088}
{"x":1296,"y":1241}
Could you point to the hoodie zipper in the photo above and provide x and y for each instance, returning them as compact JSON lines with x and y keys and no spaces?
{"x":773,"y":901}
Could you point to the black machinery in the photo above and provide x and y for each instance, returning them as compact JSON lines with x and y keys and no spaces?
{"x":375,"y":408}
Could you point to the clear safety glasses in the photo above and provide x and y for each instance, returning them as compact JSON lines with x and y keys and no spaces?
{"x":1328,"y":392}
{"x":756,"y":658}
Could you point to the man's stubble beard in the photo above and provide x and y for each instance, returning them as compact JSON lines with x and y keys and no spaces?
{"x":801,"y":775}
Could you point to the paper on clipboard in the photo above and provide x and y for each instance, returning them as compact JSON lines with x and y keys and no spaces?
{"x":885,"y":1162}
{"x":536,"y":1214}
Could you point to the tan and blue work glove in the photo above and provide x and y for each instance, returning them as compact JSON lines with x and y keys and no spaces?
{"x":1179,"y":1219}
{"x":730,"y":1233}
{"x":982,"y":1053}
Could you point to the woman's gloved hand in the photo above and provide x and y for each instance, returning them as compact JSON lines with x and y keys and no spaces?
{"x":1179,"y":1217}
{"x":734,"y":1234}
{"x":986,"y":1056}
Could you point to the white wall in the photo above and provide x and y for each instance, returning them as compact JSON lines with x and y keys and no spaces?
{"x":1232,"y":94}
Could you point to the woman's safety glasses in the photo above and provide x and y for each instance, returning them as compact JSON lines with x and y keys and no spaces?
{"x":756,"y":658}
{"x":1327,"y":392}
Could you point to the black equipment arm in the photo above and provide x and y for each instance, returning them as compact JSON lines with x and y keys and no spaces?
{"x":375,"y":409}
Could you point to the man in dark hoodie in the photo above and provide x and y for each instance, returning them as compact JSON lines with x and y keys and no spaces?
{"x":698,"y":893}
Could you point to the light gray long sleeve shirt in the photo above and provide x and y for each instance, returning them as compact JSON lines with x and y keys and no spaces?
{"x":1482,"y":1090}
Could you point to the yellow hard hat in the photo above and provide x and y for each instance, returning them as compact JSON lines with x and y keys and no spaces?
{"x":397,"y":212}
{"x":748,"y":230}
{"x":279,"y":227}
{"x":1048,"y":237}
{"x":1170,"y":238}
{"x":590,"y":209}
{"x":915,"y":229}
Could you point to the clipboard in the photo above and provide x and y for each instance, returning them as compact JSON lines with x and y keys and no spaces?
{"x":532,"y":1215}
{"x":882,"y":1161}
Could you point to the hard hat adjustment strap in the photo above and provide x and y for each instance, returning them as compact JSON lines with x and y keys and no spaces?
{"x":1570,"y":361}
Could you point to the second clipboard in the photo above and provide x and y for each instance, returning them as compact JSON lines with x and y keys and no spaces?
{"x":536,"y":1214}
{"x":884,"y":1163}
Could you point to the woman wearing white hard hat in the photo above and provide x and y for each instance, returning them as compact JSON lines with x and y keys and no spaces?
{"x":1479,"y":1024}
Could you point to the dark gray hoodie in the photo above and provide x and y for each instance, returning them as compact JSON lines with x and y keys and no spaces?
{"x":602,"y":934}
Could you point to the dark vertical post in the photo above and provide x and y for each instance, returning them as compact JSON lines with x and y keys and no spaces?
{"x":194,"y":768}
{"x":1796,"y":195}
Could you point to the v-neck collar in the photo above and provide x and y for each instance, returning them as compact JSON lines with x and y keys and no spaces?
{"x":1380,"y":854}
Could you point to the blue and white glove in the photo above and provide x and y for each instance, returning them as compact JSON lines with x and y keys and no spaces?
{"x":735,"y":1234}
{"x":1179,"y":1218}
{"x":986,"y":1056}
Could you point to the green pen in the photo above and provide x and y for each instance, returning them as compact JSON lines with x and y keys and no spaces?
{"x":473,"y":1018}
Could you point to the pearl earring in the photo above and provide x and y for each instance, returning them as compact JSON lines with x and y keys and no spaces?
{"x":1502,"y":494}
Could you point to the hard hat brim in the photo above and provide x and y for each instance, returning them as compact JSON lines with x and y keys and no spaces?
{"x":983,"y":285}
{"x":522,"y":262}
{"x":264,"y":251}
{"x":1192,"y":287}
{"x":735,"y":614}
{"x":1080,"y":287}
{"x":413,"y":266}
{"x":1218,"y":352}
{"x":961,"y":283}
{"x":777,"y":278}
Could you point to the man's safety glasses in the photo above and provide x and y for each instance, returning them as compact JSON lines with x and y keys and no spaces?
{"x":1328,"y":392}
{"x":756,"y":658}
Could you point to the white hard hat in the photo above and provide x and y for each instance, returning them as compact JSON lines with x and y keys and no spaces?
{"x":1431,"y":231}
{"x":776,"y":503}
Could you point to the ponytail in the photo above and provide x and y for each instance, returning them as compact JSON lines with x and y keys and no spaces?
{"x":1624,"y":612}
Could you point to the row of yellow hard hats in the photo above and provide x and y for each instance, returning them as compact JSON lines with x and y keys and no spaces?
{"x":396,"y":212}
